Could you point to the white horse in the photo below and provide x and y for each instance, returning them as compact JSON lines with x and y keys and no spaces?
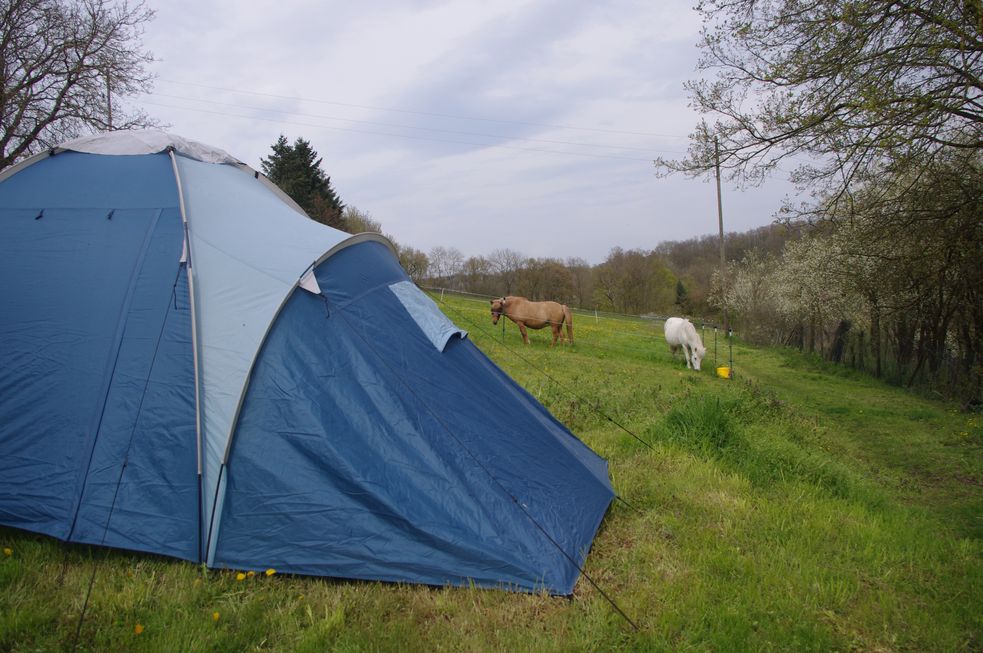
{"x":680,"y":332}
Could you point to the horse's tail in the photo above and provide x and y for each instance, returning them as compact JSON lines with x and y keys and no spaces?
{"x":568,"y":318}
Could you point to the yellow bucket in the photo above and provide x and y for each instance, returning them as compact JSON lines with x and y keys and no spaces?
{"x":723,"y":372}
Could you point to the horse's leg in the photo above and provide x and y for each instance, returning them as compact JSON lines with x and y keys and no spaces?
{"x":522,"y":330}
{"x":557,"y":330}
{"x":686,"y":353}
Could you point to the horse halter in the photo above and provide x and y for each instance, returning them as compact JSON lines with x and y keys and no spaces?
{"x":501,"y":308}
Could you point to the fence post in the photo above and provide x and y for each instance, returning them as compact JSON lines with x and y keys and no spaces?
{"x":730,"y":347}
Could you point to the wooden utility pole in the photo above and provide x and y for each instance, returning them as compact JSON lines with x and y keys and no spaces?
{"x":720,"y":223}
{"x":109,"y":101}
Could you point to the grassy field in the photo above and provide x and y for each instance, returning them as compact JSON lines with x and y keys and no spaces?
{"x":796,"y":507}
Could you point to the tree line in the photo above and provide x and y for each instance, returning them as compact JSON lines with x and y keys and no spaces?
{"x":672,"y":279}
{"x":892,"y":287}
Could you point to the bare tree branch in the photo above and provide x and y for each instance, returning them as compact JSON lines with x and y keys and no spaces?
{"x":62,"y":63}
{"x":845,"y":82}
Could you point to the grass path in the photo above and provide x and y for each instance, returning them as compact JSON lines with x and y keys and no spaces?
{"x":930,"y":454}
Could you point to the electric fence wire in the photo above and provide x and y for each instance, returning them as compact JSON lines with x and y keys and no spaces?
{"x":624,"y":318}
{"x":618,"y":317}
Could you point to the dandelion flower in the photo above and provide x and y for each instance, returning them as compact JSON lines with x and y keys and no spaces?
{"x":215,"y":616}
{"x":7,"y":551}
{"x":250,"y":573}
{"x":138,"y":629}
{"x":270,"y":572}
{"x":240,"y":576}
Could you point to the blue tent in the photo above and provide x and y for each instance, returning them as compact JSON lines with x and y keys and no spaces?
{"x":190,"y":366}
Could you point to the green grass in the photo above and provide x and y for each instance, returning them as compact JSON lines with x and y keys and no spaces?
{"x":797,"y":507}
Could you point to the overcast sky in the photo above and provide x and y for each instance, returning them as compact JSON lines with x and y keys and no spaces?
{"x":475,"y":125}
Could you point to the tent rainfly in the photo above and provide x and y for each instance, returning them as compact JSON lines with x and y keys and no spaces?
{"x":189,"y":366}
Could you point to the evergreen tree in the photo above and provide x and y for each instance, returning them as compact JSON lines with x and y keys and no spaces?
{"x":296,"y":169}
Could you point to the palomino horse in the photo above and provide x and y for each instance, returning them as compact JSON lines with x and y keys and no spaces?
{"x":534,"y":315}
{"x":680,"y":332}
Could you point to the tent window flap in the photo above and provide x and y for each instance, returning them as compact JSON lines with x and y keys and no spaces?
{"x":437,"y":327}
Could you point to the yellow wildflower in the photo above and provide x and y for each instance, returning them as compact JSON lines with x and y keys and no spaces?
{"x":215,"y":616}
{"x":270,"y":572}
{"x":7,"y":551}
{"x":138,"y":629}
{"x":240,"y":576}
{"x":250,"y":573}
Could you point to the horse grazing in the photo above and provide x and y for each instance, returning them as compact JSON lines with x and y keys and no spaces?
{"x":534,"y":315}
{"x":680,"y":332}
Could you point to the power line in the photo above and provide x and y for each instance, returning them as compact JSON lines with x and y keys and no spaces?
{"x":422,"y":113}
{"x":407,"y":136}
{"x":401,"y":126}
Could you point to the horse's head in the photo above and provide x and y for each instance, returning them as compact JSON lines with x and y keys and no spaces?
{"x":497,"y":306}
{"x":696,"y":357}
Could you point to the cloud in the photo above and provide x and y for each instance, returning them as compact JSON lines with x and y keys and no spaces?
{"x":478,"y":125}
